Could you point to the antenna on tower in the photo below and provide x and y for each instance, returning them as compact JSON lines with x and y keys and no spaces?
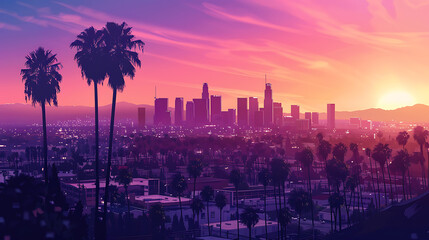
{"x":155,"y":92}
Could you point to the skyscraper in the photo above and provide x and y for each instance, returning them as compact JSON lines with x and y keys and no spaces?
{"x":215,"y":108}
{"x":189,"y":112}
{"x":315,"y":118}
{"x":200,"y":111}
{"x":141,"y":113}
{"x":278,"y":114}
{"x":178,"y":111}
{"x":162,"y":115}
{"x":294,"y":111}
{"x":268,"y":105}
{"x":205,"y":95}
{"x":331,"y":116}
{"x":253,"y":108}
{"x":242,"y":118}
{"x":307,"y":115}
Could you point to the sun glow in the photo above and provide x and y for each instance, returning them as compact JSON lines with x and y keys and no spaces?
{"x":396,"y":99}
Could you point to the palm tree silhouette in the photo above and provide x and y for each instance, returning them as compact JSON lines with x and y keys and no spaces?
{"x":121,"y":61}
{"x":124,"y":178}
{"x":207,"y":195}
{"x":265,"y":179}
{"x":368,"y":154}
{"x":402,"y":138}
{"x":306,"y":158}
{"x":323,"y":150}
{"x":157,"y":217}
{"x":195,"y":168}
{"x":250,"y":218}
{"x":197,"y":207}
{"x":299,"y":200}
{"x":401,"y":163}
{"x":381,"y":154}
{"x":90,"y":58}
{"x":420,"y":135}
{"x":220,"y":201}
{"x":42,"y":83}
{"x":285,"y":217}
{"x":235,"y":178}
{"x":179,"y":185}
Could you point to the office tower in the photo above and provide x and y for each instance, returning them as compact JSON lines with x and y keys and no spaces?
{"x":307,"y":115}
{"x":315,"y":118}
{"x":331,"y":116}
{"x":200,"y":111}
{"x":268,"y":105}
{"x":232,"y":115}
{"x":259,"y":118}
{"x":294,"y":111}
{"x":162,"y":115}
{"x":215,"y":108}
{"x":242,"y":118}
{"x":228,"y":117}
{"x":205,"y":95}
{"x":141,"y":113}
{"x":278,"y":114}
{"x":189,"y":112}
{"x":253,"y":108}
{"x":178,"y":111}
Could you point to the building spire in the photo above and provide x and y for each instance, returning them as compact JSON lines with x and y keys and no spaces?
{"x":155,"y":92}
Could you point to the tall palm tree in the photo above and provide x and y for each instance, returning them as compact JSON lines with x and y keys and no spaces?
{"x":381,"y":154}
{"x":90,"y":58}
{"x":265,"y":179}
{"x":207,"y":195}
{"x":285,"y":217}
{"x":401,"y":163}
{"x":299,"y":200}
{"x":179,"y":185}
{"x":42,"y":83}
{"x":120,"y":46}
{"x":220,"y":201}
{"x":124,"y":178}
{"x":250,"y":218}
{"x":368,"y":154}
{"x":235,"y":178}
{"x":420,"y":135}
{"x":306,"y":158}
{"x":157,"y":217}
{"x":323,"y":150}
{"x":195,"y":168}
{"x":197,"y":207}
{"x":402,"y":138}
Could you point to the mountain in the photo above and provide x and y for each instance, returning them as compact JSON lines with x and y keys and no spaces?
{"x":24,"y":114}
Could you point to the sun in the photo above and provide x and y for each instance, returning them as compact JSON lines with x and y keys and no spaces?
{"x":396,"y":99}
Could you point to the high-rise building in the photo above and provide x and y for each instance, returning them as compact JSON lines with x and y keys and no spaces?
{"x":268,"y":105}
{"x":294,"y":111}
{"x":228,"y":117}
{"x":205,"y":95}
{"x":307,"y":115}
{"x":302,"y":124}
{"x":278,"y":114}
{"x":162,"y":116}
{"x":215,"y":108}
{"x":253,"y":108}
{"x":178,"y":111}
{"x":242,"y":117}
{"x":315,"y":118}
{"x":190,"y":112}
{"x":200,"y":111}
{"x":331,"y":116}
{"x":259,"y":118}
{"x":141,"y":113}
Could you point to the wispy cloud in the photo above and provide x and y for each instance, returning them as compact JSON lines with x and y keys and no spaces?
{"x":9,"y":27}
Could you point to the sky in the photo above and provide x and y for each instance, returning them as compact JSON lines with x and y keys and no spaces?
{"x":355,"y":53}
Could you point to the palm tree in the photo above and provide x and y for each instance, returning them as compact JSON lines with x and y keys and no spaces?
{"x":220,"y":201}
{"x":323,"y":150}
{"x":285,"y":218}
{"x":90,"y":58}
{"x":42,"y":83}
{"x":207,"y":195}
{"x":401,"y":163}
{"x":381,"y":154}
{"x":197,"y":207}
{"x":335,"y":202}
{"x":157,"y":217}
{"x":420,"y":135}
{"x":265,"y":179}
{"x":368,"y":154}
{"x":402,"y":138}
{"x":250,"y":218}
{"x":124,"y":178}
{"x":195,"y":168}
{"x":337,"y":173}
{"x":179,"y":185}
{"x":299,"y":200}
{"x":306,"y":158}
{"x":121,"y":61}
{"x":235,"y":178}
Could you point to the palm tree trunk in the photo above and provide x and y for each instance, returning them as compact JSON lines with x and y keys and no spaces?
{"x":109,"y":160}
{"x":45,"y":142}
{"x":220,"y":227}
{"x":265,"y":211}
{"x":373,"y":185}
{"x":409,"y":183}
{"x":195,"y":183}
{"x":208,"y":217}
{"x":384,"y":182}
{"x":250,"y":233}
{"x":236,"y":202}
{"x":345,"y":205}
{"x":97,"y":167}
{"x":311,"y":198}
{"x":403,"y":185}
{"x":423,"y":166}
{"x":330,"y":208}
{"x":181,"y":211}
{"x":390,"y":181}
{"x":277,"y":211}
{"x":378,"y":186}
{"x":299,"y":226}
{"x":128,"y":201}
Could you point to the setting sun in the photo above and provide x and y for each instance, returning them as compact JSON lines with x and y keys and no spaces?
{"x":396,"y":99}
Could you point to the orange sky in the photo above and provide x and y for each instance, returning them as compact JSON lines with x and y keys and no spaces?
{"x":354,"y":53}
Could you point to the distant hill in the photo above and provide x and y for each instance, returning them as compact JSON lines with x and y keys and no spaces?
{"x":24,"y":114}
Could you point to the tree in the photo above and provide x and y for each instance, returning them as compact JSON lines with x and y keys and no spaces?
{"x":381,"y":154}
{"x":157,"y":217}
{"x":285,"y":217}
{"x":195,"y":168}
{"x":179,"y":185}
{"x":250,"y":218}
{"x":197,"y":207}
{"x":420,"y":135}
{"x":368,"y":154}
{"x":401,"y":163}
{"x":121,"y":61}
{"x":264,"y":177}
{"x":299,"y":200}
{"x":235,"y":178}
{"x":402,"y":138}
{"x":42,"y":83}
{"x":220,"y":201}
{"x":207,"y":195}
{"x":90,"y":58}
{"x":306,"y":158}
{"x":335,"y":202}
{"x":124,"y":178}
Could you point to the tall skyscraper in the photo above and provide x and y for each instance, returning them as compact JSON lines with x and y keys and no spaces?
{"x":178,"y":111}
{"x":242,"y":117}
{"x":278,"y":114}
{"x":141,"y":113}
{"x":190,"y":112}
{"x":331,"y":116}
{"x":294,"y":111}
{"x":307,"y":115}
{"x":162,"y":115}
{"x":253,"y":108}
{"x":268,"y":105}
{"x":205,"y":95}
{"x":315,"y":118}
{"x":215,"y":108}
{"x":200,"y":111}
